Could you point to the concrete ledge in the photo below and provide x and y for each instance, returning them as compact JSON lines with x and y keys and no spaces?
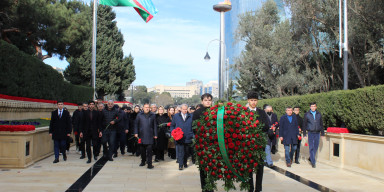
{"x":21,"y":149}
{"x":361,"y":154}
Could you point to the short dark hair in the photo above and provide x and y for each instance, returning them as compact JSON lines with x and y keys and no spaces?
{"x":265,"y":106}
{"x":78,"y":104}
{"x":206,"y":95}
{"x":296,"y":107}
{"x":89,"y":102}
{"x":313,"y":103}
{"x":252,"y":95}
{"x":289,"y":107}
{"x":146,"y":104}
{"x":59,"y":101}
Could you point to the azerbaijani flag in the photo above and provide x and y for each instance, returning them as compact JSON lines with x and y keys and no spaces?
{"x":145,"y":8}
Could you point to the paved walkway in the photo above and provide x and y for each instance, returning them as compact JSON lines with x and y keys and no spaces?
{"x":124,"y":174}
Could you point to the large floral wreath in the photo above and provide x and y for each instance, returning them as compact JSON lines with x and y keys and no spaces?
{"x":229,"y":145}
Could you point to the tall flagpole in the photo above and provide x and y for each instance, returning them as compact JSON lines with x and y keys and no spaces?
{"x":95,"y":3}
{"x":345,"y":55}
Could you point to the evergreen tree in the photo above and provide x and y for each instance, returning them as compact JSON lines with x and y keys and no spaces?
{"x":114,"y":72}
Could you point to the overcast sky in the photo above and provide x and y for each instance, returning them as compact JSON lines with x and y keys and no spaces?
{"x":170,"y":48}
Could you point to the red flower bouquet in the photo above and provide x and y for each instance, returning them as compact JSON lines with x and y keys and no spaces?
{"x":177,"y":134}
{"x":229,"y":145}
{"x":15,"y":128}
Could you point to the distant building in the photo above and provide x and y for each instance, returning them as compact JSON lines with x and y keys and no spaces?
{"x":175,"y":91}
{"x":198,"y":84}
{"x":212,"y":88}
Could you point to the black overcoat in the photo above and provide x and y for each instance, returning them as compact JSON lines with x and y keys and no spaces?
{"x":60,"y":127}
{"x":90,"y":127}
{"x":162,"y":140}
{"x":145,"y":127}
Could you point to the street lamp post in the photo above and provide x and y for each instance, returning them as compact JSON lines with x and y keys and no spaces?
{"x":222,"y":8}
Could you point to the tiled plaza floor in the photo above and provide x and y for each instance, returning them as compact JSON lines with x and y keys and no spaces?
{"x":124,"y":174}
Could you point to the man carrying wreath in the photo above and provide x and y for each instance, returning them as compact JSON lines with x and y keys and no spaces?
{"x":183,"y":120}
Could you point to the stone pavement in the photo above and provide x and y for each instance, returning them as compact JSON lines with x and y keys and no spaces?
{"x":124,"y":174}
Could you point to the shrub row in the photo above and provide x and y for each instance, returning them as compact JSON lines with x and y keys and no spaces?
{"x":360,"y":110}
{"x":24,"y":75}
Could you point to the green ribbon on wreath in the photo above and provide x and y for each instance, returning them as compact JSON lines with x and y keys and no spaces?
{"x":220,"y":139}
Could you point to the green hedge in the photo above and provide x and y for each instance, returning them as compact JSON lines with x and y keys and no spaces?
{"x":26,"y":76}
{"x":361,"y":110}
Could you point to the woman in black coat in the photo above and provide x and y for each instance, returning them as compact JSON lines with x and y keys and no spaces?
{"x":171,"y":145}
{"x":162,"y":142}
{"x":132,"y":142}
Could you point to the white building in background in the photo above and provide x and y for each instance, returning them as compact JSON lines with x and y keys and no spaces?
{"x":176,"y":91}
{"x":198,"y":84}
{"x":212,"y":88}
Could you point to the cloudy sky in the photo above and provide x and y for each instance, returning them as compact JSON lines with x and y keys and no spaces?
{"x":170,"y":48}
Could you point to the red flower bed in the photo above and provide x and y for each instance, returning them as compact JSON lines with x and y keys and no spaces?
{"x":16,"y":128}
{"x":337,"y":130}
{"x":229,"y":145}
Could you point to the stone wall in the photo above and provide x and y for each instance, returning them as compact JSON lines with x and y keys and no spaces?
{"x":21,"y":149}
{"x":354,"y":152}
{"x":19,"y":110}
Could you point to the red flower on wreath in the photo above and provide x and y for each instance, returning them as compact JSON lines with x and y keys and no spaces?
{"x":177,"y":133}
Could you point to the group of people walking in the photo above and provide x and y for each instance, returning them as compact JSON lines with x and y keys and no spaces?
{"x":145,"y":132}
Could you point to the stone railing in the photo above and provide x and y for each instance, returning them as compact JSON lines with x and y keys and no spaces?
{"x":353,"y":152}
{"x":19,"y":110}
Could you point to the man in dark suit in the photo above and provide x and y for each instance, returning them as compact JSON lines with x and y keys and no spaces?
{"x":90,"y":130}
{"x":263,"y":122}
{"x":289,"y":134}
{"x":146,"y":131}
{"x":109,"y":120}
{"x":76,"y":120}
{"x":184,"y":121}
{"x":60,"y":129}
{"x":296,"y":111}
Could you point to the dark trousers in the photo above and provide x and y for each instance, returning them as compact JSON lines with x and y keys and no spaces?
{"x":146,"y":153}
{"x":88,"y":141}
{"x":109,"y":136}
{"x":82,"y":146}
{"x":120,"y":141}
{"x":98,"y":146}
{"x":77,"y":141}
{"x":59,"y":146}
{"x":259,"y":178}
{"x":313,"y":142}
{"x":182,"y":153}
{"x":297,"y":152}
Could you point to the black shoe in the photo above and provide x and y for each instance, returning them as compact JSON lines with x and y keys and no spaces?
{"x":156,"y":160}
{"x":56,"y":161}
{"x":180,"y":168}
{"x":270,"y":166}
{"x":122,"y":153}
{"x":193,"y":161}
{"x":82,"y":157}
{"x":115,"y":155}
{"x":309,"y":159}
{"x":65,"y":157}
{"x":89,"y":161}
{"x":105,"y":157}
{"x":95,"y":157}
{"x":297,"y":162}
{"x":150,"y":166}
{"x":185,"y":166}
{"x":313,"y":165}
{"x":110,"y":159}
{"x":142,"y":164}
